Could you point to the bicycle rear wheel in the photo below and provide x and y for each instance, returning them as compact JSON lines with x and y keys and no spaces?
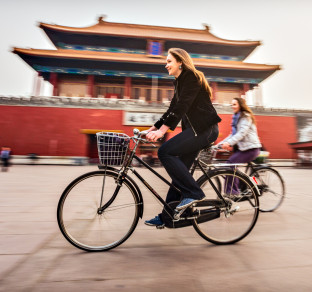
{"x":271,"y":188}
{"x":238,"y":215}
{"x":78,"y":213}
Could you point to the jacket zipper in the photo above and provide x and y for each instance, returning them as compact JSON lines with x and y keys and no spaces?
{"x":191,"y":125}
{"x":176,"y":91}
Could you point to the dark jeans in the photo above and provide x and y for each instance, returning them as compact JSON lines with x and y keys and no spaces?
{"x":5,"y":162}
{"x":239,"y":157}
{"x":177,"y":156}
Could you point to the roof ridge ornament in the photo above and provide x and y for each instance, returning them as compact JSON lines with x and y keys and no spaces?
{"x":102,"y":18}
{"x":206,"y":26}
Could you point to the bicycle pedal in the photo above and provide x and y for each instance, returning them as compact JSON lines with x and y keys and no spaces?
{"x":234,"y":210}
{"x":176,"y":217}
{"x":178,"y":214}
{"x":230,"y":213}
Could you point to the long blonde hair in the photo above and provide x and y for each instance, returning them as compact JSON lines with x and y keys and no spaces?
{"x":187,"y":63}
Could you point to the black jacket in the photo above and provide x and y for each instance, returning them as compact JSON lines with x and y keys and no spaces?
{"x":190,"y":99}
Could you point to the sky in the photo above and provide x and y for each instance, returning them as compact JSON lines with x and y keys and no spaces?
{"x":284,"y":28}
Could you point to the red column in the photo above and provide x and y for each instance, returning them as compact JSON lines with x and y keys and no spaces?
{"x":53,"y":81}
{"x":90,"y":89}
{"x":214,"y":87}
{"x":128,"y":85}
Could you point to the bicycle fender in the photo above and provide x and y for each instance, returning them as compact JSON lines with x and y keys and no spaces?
{"x":132,"y":183}
{"x":260,"y":166}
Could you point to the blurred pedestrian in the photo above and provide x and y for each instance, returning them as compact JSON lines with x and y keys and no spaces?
{"x":5,"y":158}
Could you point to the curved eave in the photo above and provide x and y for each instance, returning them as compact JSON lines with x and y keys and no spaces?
{"x":148,"y":31}
{"x":131,"y":58}
{"x":307,"y":145}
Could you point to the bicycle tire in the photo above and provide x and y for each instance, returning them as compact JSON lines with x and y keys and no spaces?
{"x":237,"y":217}
{"x":271,"y":188}
{"x":77,"y":211}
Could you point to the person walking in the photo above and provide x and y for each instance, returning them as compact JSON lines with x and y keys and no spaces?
{"x":243,"y":139}
{"x":5,"y":155}
{"x":191,"y":104}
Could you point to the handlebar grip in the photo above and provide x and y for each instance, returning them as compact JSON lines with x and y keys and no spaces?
{"x":137,"y":132}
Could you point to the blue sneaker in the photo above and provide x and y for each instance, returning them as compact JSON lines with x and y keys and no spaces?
{"x":186,"y":202}
{"x":154,"y":222}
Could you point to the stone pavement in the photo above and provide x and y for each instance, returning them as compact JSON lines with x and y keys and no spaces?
{"x":34,"y":256}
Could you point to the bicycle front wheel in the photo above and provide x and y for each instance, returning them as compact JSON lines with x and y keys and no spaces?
{"x":271,"y":188}
{"x":238,"y":215}
{"x":81,"y":219}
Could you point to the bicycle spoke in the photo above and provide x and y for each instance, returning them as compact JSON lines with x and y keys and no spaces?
{"x":78,"y":215}
{"x":236,"y":220}
{"x":271,"y":187}
{"x":109,"y":209}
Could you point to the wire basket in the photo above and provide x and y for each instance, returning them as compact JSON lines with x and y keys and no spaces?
{"x":112,"y":147}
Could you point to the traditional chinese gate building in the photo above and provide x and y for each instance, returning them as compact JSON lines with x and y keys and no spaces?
{"x":127,"y":61}
{"x":111,"y":76}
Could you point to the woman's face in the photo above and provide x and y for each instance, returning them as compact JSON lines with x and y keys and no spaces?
{"x":173,"y":66}
{"x":235,"y":106}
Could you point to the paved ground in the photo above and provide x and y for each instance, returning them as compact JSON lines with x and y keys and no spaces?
{"x":276,"y":256}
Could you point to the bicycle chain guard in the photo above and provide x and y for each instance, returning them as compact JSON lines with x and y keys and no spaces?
{"x":168,"y":215}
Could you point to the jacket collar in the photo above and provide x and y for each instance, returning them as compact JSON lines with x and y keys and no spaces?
{"x":179,"y":77}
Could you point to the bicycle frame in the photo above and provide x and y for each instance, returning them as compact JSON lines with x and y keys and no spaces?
{"x":149,"y":187}
{"x":192,"y":170}
{"x":127,"y":166}
{"x":250,"y":167}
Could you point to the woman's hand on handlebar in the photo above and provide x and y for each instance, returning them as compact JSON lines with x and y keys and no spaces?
{"x":226,"y":146}
{"x":153,"y":136}
{"x":153,"y":128}
{"x":156,"y":134}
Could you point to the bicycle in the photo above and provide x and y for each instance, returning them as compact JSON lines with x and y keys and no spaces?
{"x":100,"y":210}
{"x":269,"y":181}
{"x":270,"y":184}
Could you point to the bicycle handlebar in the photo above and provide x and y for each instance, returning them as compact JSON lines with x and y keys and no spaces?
{"x":216,"y":147}
{"x":138,"y":134}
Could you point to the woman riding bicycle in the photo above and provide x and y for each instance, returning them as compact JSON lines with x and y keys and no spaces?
{"x":192,"y":105}
{"x":244,"y":138}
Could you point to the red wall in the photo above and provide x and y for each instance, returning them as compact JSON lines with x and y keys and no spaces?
{"x":275,"y":133}
{"x":56,"y":131}
{"x":52,"y":131}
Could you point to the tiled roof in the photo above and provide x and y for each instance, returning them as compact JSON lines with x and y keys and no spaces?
{"x":148,"y":31}
{"x":136,"y":58}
